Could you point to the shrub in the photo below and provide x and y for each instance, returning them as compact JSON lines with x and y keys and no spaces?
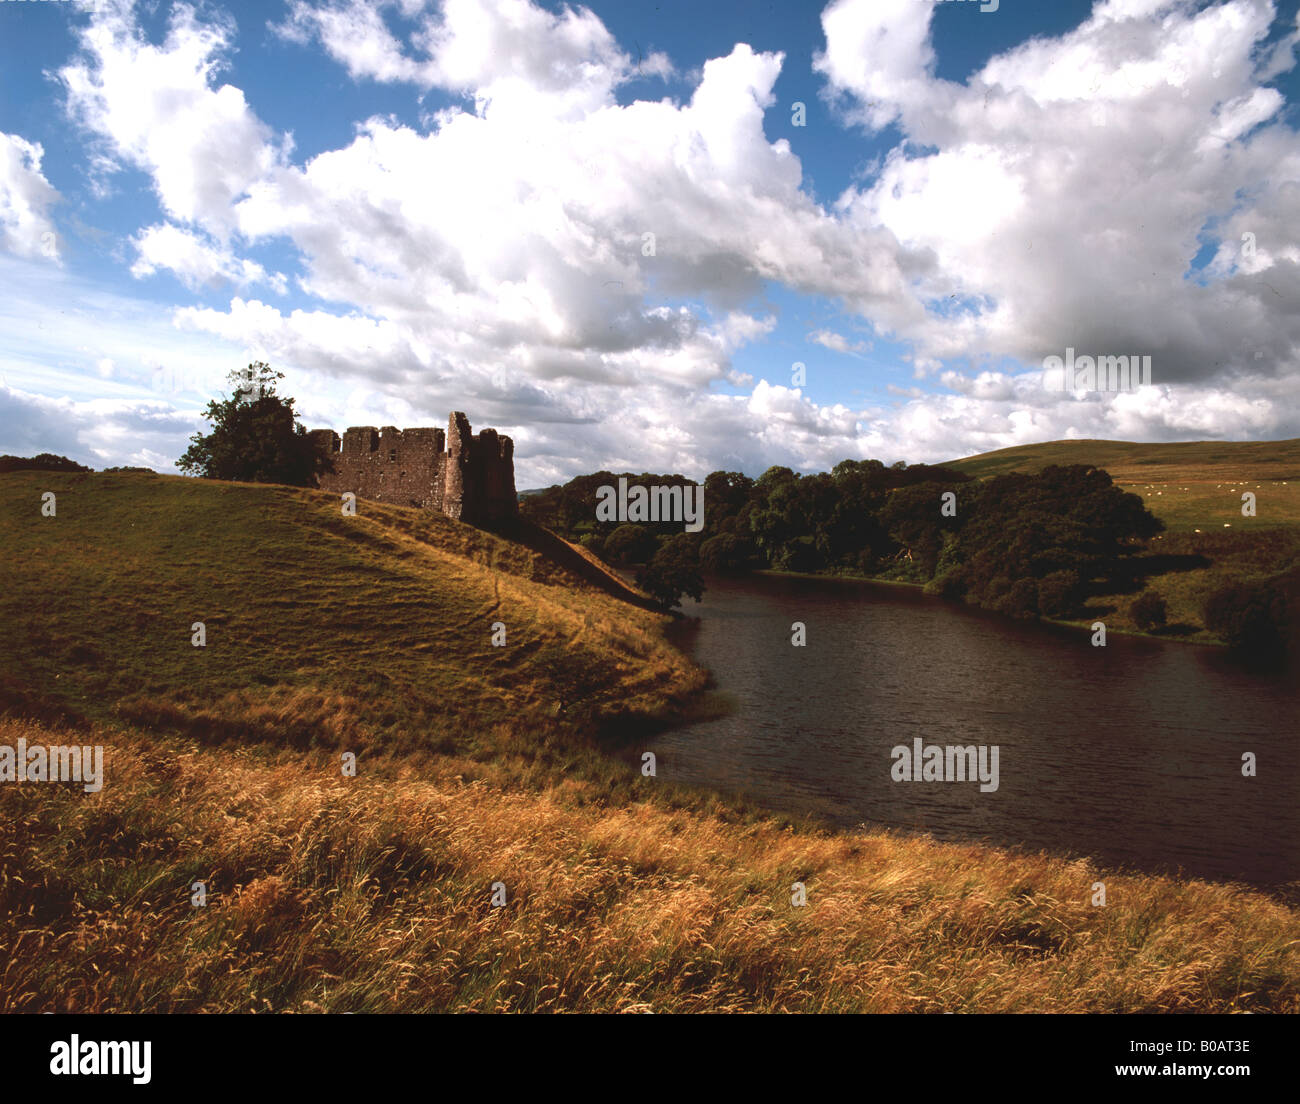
{"x":726,"y":554}
{"x":1148,"y":611}
{"x":630,"y":544}
{"x":45,"y":461}
{"x":1021,"y":601}
{"x":1251,"y":617}
{"x":673,"y":573}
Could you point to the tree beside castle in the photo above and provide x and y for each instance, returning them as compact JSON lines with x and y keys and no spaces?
{"x":255,"y":436}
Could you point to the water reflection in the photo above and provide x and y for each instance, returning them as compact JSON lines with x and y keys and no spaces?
{"x":1131,"y":753}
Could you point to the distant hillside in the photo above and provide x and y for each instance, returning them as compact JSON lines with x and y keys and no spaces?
{"x":45,"y":461}
{"x":1192,"y":486}
{"x":321,"y":629}
{"x":1133,"y":462}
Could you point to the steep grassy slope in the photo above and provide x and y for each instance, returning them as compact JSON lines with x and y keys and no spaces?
{"x":369,"y":631}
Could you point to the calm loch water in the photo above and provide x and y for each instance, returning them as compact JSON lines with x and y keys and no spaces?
{"x":1130,"y":753}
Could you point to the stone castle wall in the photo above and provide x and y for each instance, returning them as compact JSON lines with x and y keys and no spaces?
{"x":467,"y":477}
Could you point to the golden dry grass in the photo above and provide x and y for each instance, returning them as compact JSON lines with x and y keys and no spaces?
{"x":374,"y":894}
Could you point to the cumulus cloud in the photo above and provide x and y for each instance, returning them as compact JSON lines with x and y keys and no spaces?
{"x":521,"y":252}
{"x":585,"y":271}
{"x":878,"y":57}
{"x":160,"y":108}
{"x":487,"y":49}
{"x":25,"y":200}
{"x":195,"y":261}
{"x":1067,"y":187}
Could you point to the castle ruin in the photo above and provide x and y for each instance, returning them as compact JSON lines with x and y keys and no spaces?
{"x":470,"y":477}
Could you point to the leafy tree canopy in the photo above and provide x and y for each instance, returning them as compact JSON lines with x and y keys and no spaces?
{"x":256,"y":437}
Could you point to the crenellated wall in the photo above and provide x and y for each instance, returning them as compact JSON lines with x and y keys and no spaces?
{"x":467,"y":477}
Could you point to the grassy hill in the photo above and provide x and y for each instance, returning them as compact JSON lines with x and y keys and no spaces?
{"x":366,"y":631}
{"x":475,"y":765}
{"x":1196,"y":489}
{"x":1188,"y":485}
{"x":1134,"y":462}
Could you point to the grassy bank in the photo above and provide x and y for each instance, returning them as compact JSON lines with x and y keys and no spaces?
{"x":367,"y":631}
{"x":476,"y":765}
{"x":374,"y":894}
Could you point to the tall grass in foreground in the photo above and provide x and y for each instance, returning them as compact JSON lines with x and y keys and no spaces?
{"x":373,"y":894}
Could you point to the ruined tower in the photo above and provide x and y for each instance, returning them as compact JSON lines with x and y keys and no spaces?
{"x":472,"y":479}
{"x":457,"y":470}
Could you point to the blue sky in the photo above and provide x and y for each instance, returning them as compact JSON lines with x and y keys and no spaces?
{"x":411,"y":207}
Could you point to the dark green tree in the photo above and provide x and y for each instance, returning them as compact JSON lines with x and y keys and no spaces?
{"x":45,"y":461}
{"x":725,"y":493}
{"x":1253,"y":616}
{"x":727,"y":554}
{"x":674,"y":572}
{"x":629,"y":544}
{"x":1148,"y":611}
{"x":256,"y":437}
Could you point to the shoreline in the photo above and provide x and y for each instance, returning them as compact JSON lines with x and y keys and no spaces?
{"x":1082,"y":626}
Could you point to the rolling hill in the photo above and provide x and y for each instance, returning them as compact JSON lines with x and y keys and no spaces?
{"x":320,"y":628}
{"x":477,"y":766}
{"x":1188,"y":485}
{"x":1131,"y":462}
{"x":1196,"y":488}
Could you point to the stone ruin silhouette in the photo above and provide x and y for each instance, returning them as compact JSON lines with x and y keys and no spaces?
{"x":469,"y":477}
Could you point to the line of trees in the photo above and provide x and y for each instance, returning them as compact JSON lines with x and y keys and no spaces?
{"x":1026,"y":545}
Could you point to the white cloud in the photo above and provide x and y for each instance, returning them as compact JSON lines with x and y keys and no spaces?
{"x":492,"y":50}
{"x":96,"y":432}
{"x":197,"y":262}
{"x":837,"y":342}
{"x":25,"y":200}
{"x":354,"y":33}
{"x":155,"y":107}
{"x":1069,"y":183}
{"x":498,"y":259}
{"x":879,"y":53}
